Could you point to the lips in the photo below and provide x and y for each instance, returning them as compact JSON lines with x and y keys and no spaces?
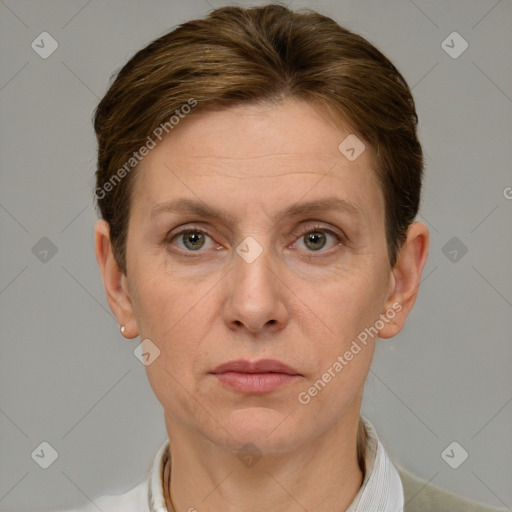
{"x":261,"y":366}
{"x":264,"y":376}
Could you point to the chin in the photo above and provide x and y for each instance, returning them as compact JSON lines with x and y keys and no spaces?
{"x":269,"y":430}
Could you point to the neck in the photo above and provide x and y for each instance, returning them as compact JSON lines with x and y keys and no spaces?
{"x":324,"y":474}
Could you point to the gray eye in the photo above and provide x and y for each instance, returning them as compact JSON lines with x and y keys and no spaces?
{"x":192,"y":240}
{"x":315,"y":240}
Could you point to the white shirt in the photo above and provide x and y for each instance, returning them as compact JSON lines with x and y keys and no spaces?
{"x":381,"y":490}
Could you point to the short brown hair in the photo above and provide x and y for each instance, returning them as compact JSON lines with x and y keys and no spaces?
{"x":260,"y":54}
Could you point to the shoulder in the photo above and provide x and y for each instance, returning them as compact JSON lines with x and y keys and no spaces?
{"x":421,"y":496}
{"x":135,"y":500}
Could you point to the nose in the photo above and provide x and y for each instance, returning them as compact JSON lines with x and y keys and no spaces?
{"x":255,"y":298}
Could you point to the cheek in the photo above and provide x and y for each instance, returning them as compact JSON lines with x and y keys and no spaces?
{"x":343,"y":352}
{"x":163,"y":304}
{"x":343,"y":308}
{"x":175,"y":320}
{"x":342,"y":343}
{"x":179,"y":334}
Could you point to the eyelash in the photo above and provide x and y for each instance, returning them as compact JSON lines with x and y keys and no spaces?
{"x":309,"y":229}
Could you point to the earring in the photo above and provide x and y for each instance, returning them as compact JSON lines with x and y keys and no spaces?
{"x":123,"y":331}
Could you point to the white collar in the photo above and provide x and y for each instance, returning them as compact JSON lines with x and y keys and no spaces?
{"x":380,"y":491}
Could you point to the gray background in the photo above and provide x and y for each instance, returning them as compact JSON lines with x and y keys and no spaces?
{"x":67,"y":375}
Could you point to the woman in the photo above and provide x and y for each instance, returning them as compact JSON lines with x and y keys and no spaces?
{"x":259,"y":174}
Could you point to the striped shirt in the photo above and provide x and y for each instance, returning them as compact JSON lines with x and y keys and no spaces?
{"x":385,"y":487}
{"x":381,"y":490}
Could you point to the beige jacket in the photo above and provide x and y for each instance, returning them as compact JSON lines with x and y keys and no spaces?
{"x":379,"y":488}
{"x":421,"y":496}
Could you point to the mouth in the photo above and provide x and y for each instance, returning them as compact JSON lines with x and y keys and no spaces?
{"x":257,"y":377}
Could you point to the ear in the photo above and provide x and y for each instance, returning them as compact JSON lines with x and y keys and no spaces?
{"x":115,"y":282}
{"x":405,"y":279}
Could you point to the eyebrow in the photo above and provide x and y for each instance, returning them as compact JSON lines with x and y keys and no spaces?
{"x":197,"y":207}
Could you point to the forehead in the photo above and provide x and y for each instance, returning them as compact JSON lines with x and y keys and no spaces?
{"x":262,"y":155}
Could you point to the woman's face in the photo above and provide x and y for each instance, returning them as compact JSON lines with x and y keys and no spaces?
{"x":252,"y":283}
